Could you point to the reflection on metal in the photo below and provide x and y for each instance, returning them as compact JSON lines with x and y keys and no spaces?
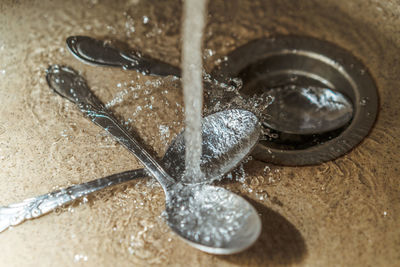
{"x":307,"y":110}
{"x":103,"y":53}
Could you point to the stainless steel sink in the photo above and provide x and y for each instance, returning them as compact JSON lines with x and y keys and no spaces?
{"x":343,"y":212}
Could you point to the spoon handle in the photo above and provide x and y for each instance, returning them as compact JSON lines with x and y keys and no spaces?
{"x":69,"y":84}
{"x":108,"y":122}
{"x":100,"y":53}
{"x":32,"y":208}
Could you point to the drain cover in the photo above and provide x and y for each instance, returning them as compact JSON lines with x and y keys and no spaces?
{"x":304,"y":61}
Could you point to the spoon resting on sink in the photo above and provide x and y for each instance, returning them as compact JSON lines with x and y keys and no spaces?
{"x":102,"y":53}
{"x":214,"y":165}
{"x":306,"y":110}
{"x":221,"y":222}
{"x":297,"y":109}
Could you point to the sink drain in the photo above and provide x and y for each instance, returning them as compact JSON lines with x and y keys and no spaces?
{"x":303,"y":61}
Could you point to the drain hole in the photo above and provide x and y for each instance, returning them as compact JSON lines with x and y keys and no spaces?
{"x":285,"y":141}
{"x":310,"y":66}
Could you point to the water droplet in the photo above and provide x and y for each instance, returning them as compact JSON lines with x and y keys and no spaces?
{"x":145,"y":72}
{"x":36,"y":212}
{"x":364,"y":101}
{"x":2,"y":129}
{"x":80,"y":257}
{"x":293,"y":78}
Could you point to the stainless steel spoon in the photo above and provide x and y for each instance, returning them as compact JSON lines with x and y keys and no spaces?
{"x":213,"y":165}
{"x":212,"y":211}
{"x":31,"y":208}
{"x":101,"y":53}
{"x":296,"y":110}
{"x":307,"y":110}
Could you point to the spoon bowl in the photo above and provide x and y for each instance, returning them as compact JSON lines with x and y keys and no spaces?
{"x":307,"y":110}
{"x":212,"y":219}
{"x":228,"y":137}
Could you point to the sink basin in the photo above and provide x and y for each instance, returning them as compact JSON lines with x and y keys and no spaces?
{"x":338,"y":213}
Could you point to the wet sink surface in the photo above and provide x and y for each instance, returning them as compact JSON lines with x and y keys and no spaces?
{"x":343,"y":212}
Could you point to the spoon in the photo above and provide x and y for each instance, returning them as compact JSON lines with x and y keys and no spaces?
{"x":213,"y":164}
{"x":307,"y":110}
{"x":296,"y":110}
{"x":102,"y":53}
{"x":213,"y":211}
